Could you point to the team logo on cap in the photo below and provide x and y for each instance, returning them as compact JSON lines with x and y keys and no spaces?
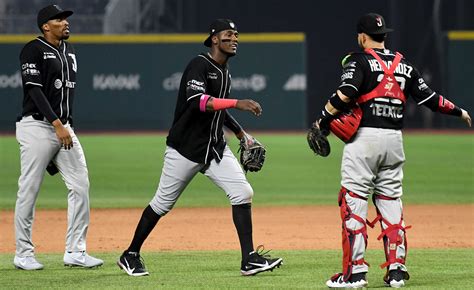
{"x":378,"y":20}
{"x":232,"y":25}
{"x":58,"y":84}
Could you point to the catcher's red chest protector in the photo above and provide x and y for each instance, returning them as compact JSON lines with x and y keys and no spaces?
{"x":345,"y":126}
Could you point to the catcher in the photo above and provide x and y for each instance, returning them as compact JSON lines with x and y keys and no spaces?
{"x":367,"y":113}
{"x":196,"y":144}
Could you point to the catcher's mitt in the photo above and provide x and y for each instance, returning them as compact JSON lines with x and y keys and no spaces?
{"x":318,"y":142}
{"x":252,"y":153}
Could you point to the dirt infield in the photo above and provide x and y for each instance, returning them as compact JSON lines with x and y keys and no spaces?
{"x":302,"y":227}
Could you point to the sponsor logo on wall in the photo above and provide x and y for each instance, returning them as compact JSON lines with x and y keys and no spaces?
{"x":10,"y":81}
{"x":255,"y":83}
{"x":117,"y":82}
{"x":171,"y":83}
{"x":296,"y":82}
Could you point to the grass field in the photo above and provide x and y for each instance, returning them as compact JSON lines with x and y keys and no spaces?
{"x":125,"y":170}
{"x":430,"y":269}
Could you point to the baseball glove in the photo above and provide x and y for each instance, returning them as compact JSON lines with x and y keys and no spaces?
{"x":252,"y":153}
{"x":318,"y":141}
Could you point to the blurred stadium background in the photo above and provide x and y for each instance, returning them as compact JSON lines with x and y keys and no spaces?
{"x":289,"y":58}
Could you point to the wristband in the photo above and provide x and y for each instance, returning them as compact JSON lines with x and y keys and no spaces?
{"x":325,"y":119}
{"x":203,"y":102}
{"x":221,"y":104}
{"x":447,"y":107}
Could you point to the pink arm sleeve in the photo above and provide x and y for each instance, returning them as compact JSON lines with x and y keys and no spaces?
{"x":221,"y":104}
{"x":217,"y":104}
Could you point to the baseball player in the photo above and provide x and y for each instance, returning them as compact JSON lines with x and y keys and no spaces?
{"x":196,"y":144}
{"x":47,"y":140}
{"x":375,"y":84}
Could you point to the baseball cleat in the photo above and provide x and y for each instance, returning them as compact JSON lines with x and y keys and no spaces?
{"x":259,"y":261}
{"x":132,"y":263}
{"x":27,"y":263}
{"x":81,"y":259}
{"x":357,"y":280}
{"x":396,"y":278}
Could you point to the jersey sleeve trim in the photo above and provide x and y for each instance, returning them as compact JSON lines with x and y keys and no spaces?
{"x":426,"y":99}
{"x":349,"y":85}
{"x":193,"y":96}
{"x":33,"y":84}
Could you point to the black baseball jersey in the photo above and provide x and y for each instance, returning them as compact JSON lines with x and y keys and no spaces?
{"x":198,"y":135}
{"x":54,"y":71}
{"x":361,"y":74}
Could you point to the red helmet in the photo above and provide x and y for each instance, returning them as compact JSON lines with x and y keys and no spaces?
{"x":346,"y":124}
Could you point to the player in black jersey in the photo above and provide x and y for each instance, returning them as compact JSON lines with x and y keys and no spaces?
{"x":196,"y":144}
{"x":367,"y":113}
{"x":47,"y":140}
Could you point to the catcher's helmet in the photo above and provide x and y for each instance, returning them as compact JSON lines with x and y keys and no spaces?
{"x":346,"y":125}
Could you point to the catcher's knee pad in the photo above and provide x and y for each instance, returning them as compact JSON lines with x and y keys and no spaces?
{"x":393,"y":234}
{"x":349,"y":235}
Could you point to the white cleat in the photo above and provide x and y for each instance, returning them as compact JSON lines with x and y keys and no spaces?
{"x":27,"y":263}
{"x":81,"y":259}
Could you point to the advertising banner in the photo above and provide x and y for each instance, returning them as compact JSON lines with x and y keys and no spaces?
{"x":133,"y":85}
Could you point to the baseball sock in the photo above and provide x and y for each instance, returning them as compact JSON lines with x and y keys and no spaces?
{"x":242,"y":216}
{"x":146,"y":224}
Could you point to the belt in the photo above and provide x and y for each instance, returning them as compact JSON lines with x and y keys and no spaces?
{"x":40,"y":117}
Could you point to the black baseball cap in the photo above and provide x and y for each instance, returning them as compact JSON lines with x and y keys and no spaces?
{"x":219,"y":25}
{"x":51,"y":12}
{"x":372,"y":23}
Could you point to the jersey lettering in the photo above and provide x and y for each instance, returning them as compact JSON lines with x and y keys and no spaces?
{"x":383,"y":110}
{"x":347,"y":75}
{"x":29,"y":69}
{"x":401,"y":81}
{"x":196,"y":86}
{"x":47,"y":55}
{"x":69,"y":84}
{"x":402,"y":68}
{"x":74,"y":62}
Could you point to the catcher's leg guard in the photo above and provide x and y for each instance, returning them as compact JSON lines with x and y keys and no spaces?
{"x":354,"y":232}
{"x":390,"y":215}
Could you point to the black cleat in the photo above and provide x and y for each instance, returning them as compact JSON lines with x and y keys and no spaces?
{"x":396,"y":278}
{"x":132,"y":263}
{"x":259,"y":261}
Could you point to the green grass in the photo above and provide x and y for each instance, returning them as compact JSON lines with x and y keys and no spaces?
{"x":429,"y":269}
{"x":125,"y":170}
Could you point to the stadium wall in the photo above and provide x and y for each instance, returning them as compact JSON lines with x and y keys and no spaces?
{"x":130,"y":82}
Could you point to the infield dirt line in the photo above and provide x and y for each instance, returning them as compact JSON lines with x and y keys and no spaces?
{"x":286,"y":228}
